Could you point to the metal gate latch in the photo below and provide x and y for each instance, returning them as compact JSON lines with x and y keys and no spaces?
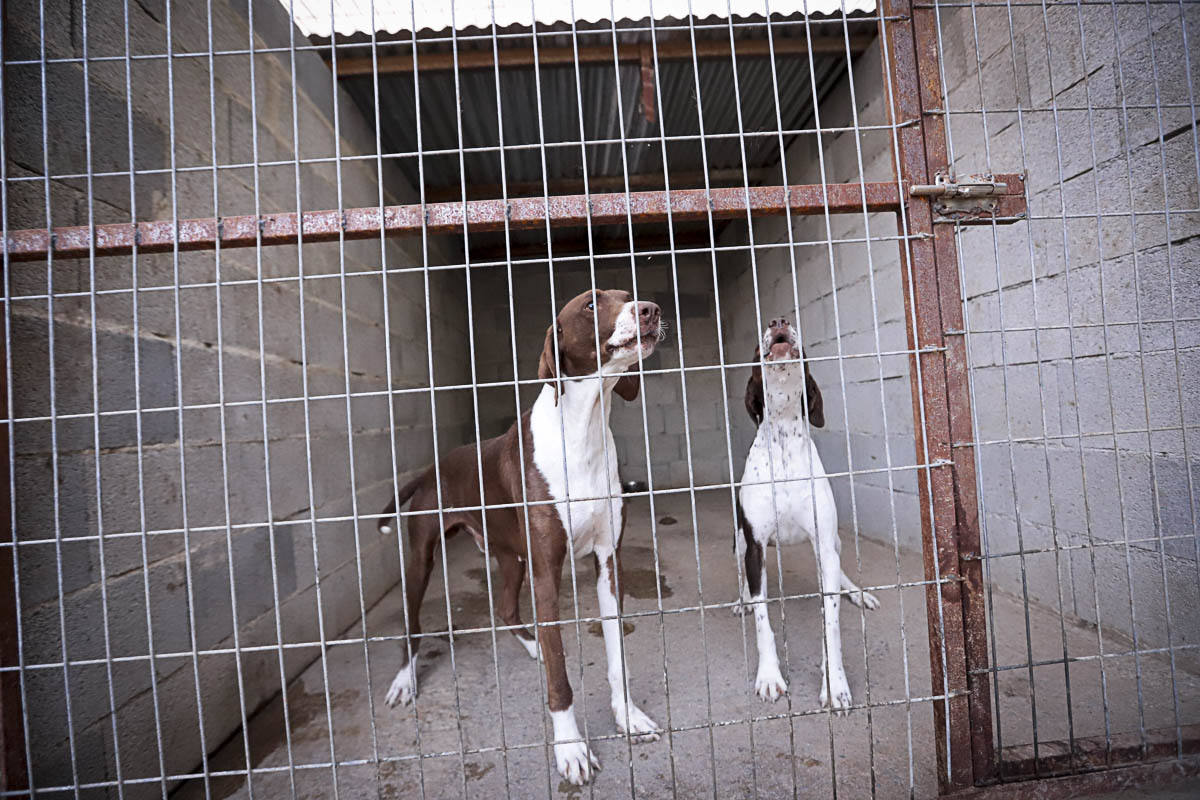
{"x":976,"y":198}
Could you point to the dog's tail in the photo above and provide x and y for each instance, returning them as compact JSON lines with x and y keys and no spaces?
{"x":406,"y":492}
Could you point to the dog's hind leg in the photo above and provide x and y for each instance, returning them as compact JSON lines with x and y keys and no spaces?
{"x":858,"y":596}
{"x":512,"y":571}
{"x":422,"y":543}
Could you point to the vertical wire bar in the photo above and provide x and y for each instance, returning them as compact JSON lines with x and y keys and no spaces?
{"x":712,"y":237}
{"x":1187,"y":69}
{"x":180,"y":431}
{"x":1071,"y":344}
{"x":437,"y":464}
{"x":717,"y":313}
{"x":1161,"y":545}
{"x":537,"y":79}
{"x":887,"y":452}
{"x":308,"y":460}
{"x":13,"y":755}
{"x":904,"y":100}
{"x":662,"y":629}
{"x":604,"y":412}
{"x":387,"y":355}
{"x":362,"y":603}
{"x":483,"y":506}
{"x":91,"y":216}
{"x":233,"y":603}
{"x":462,"y":747}
{"x":1021,"y":556}
{"x":408,"y":645}
{"x":1137,"y":283}
{"x":137,"y":402}
{"x":1041,"y":390}
{"x":262,"y":375}
{"x":1029,"y":237}
{"x":768,"y":418}
{"x":1041,"y":396}
{"x":837,"y":323}
{"x":52,"y":375}
{"x":617,"y":534}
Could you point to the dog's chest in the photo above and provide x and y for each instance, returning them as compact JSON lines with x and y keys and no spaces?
{"x":578,"y":460}
{"x":778,"y":485}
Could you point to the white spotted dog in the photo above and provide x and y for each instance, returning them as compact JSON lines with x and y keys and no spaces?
{"x":785,"y":497}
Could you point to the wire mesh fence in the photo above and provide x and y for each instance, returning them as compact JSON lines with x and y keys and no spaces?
{"x":927,"y":289}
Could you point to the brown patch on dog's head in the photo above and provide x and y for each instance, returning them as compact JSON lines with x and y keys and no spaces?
{"x":755,"y":403}
{"x":592,"y":329}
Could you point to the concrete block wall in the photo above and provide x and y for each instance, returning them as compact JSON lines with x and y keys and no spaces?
{"x":83,"y":481}
{"x":1100,"y":404}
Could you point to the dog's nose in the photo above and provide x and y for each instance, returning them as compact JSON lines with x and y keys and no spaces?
{"x":648,"y":313}
{"x":779,"y":321}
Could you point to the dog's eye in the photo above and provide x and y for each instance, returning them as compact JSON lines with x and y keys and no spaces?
{"x":590,"y":306}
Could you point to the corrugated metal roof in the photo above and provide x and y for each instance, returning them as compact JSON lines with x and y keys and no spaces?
{"x":463,"y":109}
{"x":324,"y":17}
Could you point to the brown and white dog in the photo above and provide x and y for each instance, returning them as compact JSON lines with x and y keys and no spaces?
{"x":785,"y":497}
{"x":562,"y":449}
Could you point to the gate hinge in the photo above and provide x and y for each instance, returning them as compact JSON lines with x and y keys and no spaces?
{"x":975,"y":199}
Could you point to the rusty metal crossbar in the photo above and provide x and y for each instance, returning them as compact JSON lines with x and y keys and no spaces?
{"x":477,"y":216}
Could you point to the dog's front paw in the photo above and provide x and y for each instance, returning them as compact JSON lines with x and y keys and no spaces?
{"x":770,"y":685}
{"x":741,"y":608}
{"x":864,"y":600}
{"x":404,"y":686}
{"x":575,"y":761}
{"x":638,"y":725}
{"x":840,"y":696}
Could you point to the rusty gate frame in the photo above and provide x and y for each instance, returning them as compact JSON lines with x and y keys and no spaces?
{"x":942,"y":423}
{"x":939,"y":369}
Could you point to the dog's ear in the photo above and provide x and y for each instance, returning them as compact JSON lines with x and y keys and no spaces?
{"x":628,"y":386}
{"x":754,"y":391}
{"x":816,"y":409}
{"x":547,"y":364}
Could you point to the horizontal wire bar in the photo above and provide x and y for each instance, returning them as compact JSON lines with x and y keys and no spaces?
{"x":1094,"y":544}
{"x":678,"y":138}
{"x":481,"y":264}
{"x":1051,"y":662}
{"x":449,"y":387}
{"x":485,"y":629}
{"x":490,"y":506}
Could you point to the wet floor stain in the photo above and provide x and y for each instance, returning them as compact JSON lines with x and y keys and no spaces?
{"x":475,"y":772}
{"x":596,"y":629}
{"x":638,"y":577}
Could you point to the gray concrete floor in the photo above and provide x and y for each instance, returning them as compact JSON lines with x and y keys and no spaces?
{"x":686,"y":669}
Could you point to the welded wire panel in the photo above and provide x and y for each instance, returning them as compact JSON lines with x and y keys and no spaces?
{"x":1080,"y":327}
{"x":256,"y":282}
